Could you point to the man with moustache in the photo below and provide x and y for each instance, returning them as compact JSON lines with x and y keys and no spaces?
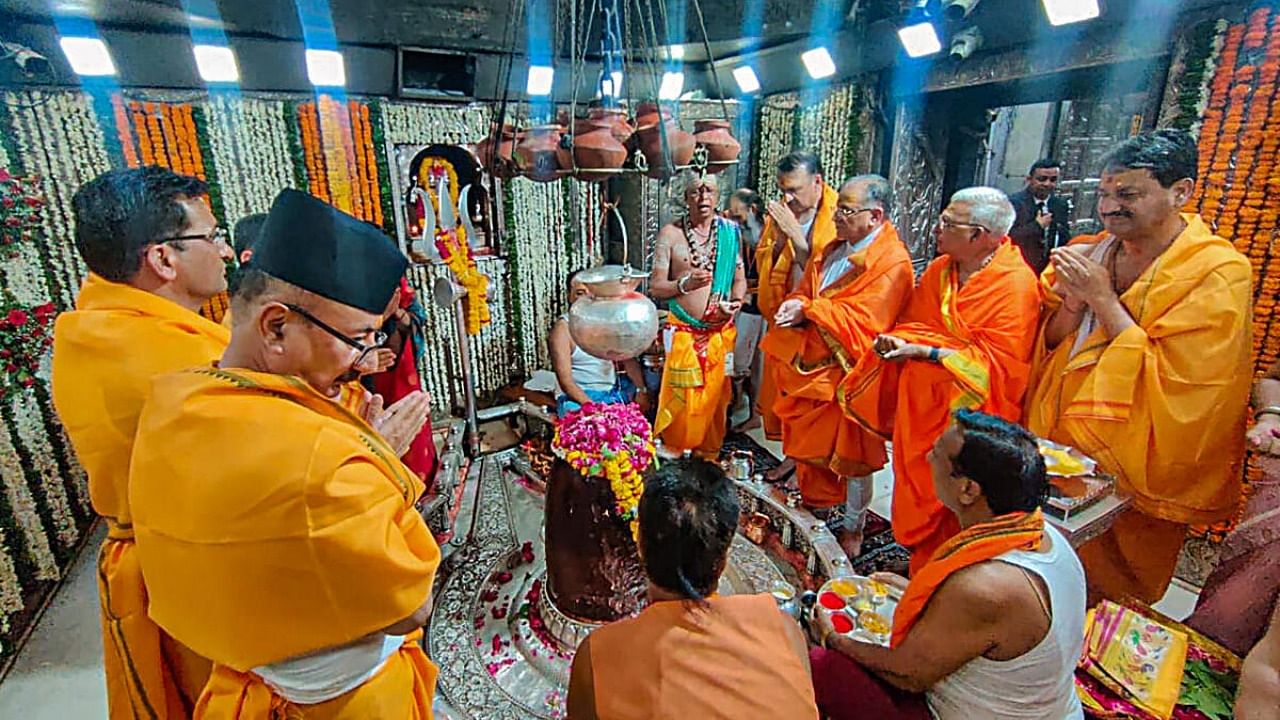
{"x":697,"y":266}
{"x":851,"y":293}
{"x":799,"y":226}
{"x":1143,"y":362}
{"x":297,"y":563}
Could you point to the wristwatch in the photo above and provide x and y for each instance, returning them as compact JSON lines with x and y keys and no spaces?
{"x":933,"y":354}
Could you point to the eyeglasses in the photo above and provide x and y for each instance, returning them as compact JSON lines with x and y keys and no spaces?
{"x":847,"y":213}
{"x":217,"y":236}
{"x":947,"y":223}
{"x":379,"y":337}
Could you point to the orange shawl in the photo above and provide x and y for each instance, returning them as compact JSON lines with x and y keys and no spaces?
{"x":1163,"y":405}
{"x":1015,"y":531}
{"x":284,"y":525}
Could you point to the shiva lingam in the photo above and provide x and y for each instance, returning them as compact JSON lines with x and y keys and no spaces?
{"x":613,"y":321}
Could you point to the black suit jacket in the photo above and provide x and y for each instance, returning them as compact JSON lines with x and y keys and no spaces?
{"x":1035,"y":241}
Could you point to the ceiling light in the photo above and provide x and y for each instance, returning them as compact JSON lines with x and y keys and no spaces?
{"x":819,"y":63}
{"x":1063,"y":12}
{"x":920,"y":39}
{"x":88,"y":56}
{"x":611,"y":86}
{"x":217,"y":64}
{"x":959,"y":9}
{"x":672,"y":86}
{"x":325,"y":68}
{"x":540,"y":80}
{"x":746,"y":79}
{"x":677,"y":52}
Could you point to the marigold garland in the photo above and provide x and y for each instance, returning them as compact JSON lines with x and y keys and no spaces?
{"x":457,"y":255}
{"x":1240,"y":182}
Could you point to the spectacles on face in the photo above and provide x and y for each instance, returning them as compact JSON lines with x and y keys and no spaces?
{"x":947,"y":223}
{"x":217,"y":236}
{"x":379,"y":337}
{"x":843,"y":212}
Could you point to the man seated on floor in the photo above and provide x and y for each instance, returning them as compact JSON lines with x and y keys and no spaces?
{"x":991,"y":627}
{"x":585,"y":378}
{"x":691,"y":653}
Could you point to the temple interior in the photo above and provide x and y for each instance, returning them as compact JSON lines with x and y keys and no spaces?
{"x":534,"y":176}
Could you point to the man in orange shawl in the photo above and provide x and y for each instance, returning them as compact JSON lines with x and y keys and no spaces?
{"x":297,"y":562}
{"x":993,"y":624}
{"x":798,"y":227}
{"x":851,"y":293}
{"x":964,"y":341}
{"x":155,"y":254}
{"x":697,"y":267}
{"x":692,"y":653}
{"x":1144,"y":362}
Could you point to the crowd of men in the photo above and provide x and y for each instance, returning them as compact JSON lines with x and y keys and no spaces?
{"x":265,"y":559}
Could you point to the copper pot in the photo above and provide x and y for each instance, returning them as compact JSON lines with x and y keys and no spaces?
{"x":721,"y":146}
{"x":681,"y":144}
{"x":495,"y":150}
{"x":536,"y":152}
{"x":616,"y":119}
{"x":597,"y":148}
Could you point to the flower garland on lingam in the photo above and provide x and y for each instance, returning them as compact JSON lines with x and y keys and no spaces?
{"x":610,"y":441}
{"x":25,"y":334}
{"x":457,"y":255}
{"x":20,"y":203}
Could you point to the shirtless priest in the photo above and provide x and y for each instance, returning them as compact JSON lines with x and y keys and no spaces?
{"x":697,"y":266}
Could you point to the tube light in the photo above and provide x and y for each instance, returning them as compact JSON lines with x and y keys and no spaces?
{"x":746,"y":78}
{"x":1064,"y":12}
{"x":819,"y":63}
{"x":540,"y":80}
{"x":88,"y":56}
{"x":217,"y":64}
{"x":325,"y":68}
{"x":920,"y":39}
{"x":672,"y":86}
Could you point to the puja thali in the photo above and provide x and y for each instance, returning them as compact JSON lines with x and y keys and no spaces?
{"x":859,"y":607}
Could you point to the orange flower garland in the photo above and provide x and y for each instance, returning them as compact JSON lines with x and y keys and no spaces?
{"x":1240,"y":189}
{"x":338,"y":150}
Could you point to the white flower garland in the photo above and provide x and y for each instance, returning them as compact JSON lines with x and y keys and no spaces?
{"x":30,"y":426}
{"x":429,"y":124}
{"x":250,"y":146}
{"x":24,"y":509}
{"x":1210,"y":69}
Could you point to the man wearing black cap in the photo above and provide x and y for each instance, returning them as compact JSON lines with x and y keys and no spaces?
{"x":297,"y":562}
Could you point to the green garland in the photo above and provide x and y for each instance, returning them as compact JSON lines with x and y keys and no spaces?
{"x":1191,"y":85}
{"x":20,"y":551}
{"x":106,"y":115}
{"x":7,"y":139}
{"x":853,"y":142}
{"x":201,"y":122}
{"x":567,"y":203}
{"x":513,"y":264}
{"x":297,"y":156}
{"x":379,"y":134}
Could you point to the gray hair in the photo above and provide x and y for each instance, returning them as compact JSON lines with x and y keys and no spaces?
{"x":874,"y":189}
{"x":673,"y":206}
{"x":988,"y":207}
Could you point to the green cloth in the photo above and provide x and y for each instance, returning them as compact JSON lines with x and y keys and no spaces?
{"x":722,"y":278}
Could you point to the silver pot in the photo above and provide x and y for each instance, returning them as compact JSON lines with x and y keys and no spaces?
{"x":613,"y":321}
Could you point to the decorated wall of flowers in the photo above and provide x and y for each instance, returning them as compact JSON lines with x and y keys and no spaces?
{"x":248,"y":148}
{"x":1223,"y":86}
{"x":832,"y":122}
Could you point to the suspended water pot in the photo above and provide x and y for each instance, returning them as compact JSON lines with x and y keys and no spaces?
{"x":613,"y":321}
{"x":496,"y":150}
{"x":681,"y":145}
{"x":722,"y":147}
{"x":536,"y":152}
{"x":616,"y":120}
